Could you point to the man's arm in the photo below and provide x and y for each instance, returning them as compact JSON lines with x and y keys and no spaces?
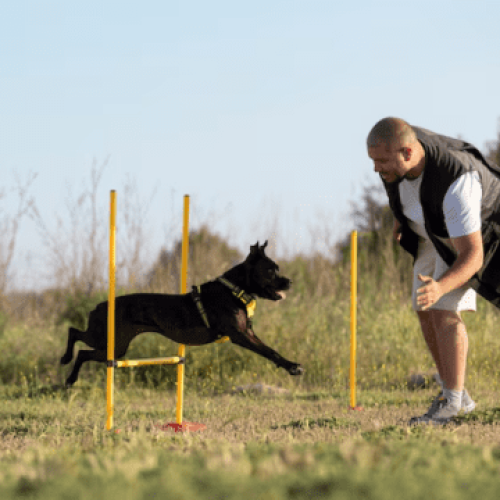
{"x":462,"y":211}
{"x":469,"y":260}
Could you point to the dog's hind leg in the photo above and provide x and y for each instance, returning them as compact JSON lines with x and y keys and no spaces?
{"x":94,"y":336}
{"x":73,"y":336}
{"x":82,"y":357}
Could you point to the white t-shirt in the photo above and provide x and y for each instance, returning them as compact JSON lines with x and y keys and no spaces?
{"x":461,"y":205}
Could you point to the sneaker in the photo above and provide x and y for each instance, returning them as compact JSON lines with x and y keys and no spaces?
{"x":429,"y":413}
{"x":468,"y":403}
{"x":445,"y":412}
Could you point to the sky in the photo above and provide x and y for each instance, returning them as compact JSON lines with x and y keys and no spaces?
{"x":258,"y":110}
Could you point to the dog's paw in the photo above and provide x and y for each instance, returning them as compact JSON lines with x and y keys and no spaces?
{"x":296,"y":370}
{"x":69,"y":382}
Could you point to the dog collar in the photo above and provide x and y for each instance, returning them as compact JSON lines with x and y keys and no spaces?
{"x":246,"y":298}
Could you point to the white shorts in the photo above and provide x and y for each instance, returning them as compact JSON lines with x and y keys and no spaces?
{"x":429,"y":263}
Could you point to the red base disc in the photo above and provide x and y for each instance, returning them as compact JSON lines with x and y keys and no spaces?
{"x":184,"y":427}
{"x":357,"y":408}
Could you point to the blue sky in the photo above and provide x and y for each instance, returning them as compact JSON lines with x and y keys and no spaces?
{"x":259,"y":110}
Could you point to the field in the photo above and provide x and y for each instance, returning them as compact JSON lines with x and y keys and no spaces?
{"x":298,"y":441}
{"x":295,"y":445}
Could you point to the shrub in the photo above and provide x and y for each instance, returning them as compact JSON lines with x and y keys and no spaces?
{"x":78,"y":307}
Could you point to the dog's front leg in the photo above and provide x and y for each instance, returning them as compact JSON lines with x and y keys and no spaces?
{"x":250,"y":341}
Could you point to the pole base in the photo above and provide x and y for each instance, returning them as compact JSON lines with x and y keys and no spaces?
{"x":184,"y":427}
{"x":357,"y":408}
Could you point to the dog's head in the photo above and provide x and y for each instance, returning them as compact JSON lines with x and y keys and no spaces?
{"x":262,"y":275}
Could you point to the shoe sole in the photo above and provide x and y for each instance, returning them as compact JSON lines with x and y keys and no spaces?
{"x":419,"y":420}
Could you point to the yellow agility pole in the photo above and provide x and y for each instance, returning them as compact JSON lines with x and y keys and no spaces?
{"x":111,"y":313}
{"x":111,"y":362}
{"x":182,"y":347}
{"x":127,"y":363}
{"x":179,"y":424}
{"x":354,"y":300}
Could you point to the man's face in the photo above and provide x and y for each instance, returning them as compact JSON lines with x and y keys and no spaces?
{"x":389,"y":162}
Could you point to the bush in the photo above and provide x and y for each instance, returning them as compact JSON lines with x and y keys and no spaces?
{"x":78,"y":307}
{"x":3,"y":322}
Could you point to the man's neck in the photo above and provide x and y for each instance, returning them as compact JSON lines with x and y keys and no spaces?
{"x":418,"y":169}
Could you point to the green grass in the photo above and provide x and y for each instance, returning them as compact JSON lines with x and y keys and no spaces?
{"x":54,"y":446}
{"x":353,"y":470}
{"x":304,"y":444}
{"x":390,"y":348}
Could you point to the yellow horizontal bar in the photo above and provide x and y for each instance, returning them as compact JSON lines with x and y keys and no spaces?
{"x":222,"y":340}
{"x":174,"y":360}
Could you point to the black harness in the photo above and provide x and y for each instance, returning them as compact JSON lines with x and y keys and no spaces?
{"x":196,"y":294}
{"x":247,"y":299}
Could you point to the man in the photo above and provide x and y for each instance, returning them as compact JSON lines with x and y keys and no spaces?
{"x":443,"y":194}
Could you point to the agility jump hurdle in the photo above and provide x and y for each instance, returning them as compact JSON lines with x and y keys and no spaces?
{"x":179,"y":360}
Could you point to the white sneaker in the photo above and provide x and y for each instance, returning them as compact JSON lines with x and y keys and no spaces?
{"x":422,"y":419}
{"x":468,"y":403}
{"x":467,"y":406}
{"x":445,"y":412}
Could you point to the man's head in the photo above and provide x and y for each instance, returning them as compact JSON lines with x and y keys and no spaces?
{"x":394,"y":148}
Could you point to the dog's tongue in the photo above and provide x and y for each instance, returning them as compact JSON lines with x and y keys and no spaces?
{"x":282,"y":295}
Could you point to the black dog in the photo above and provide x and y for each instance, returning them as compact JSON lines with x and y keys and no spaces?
{"x":223,"y":312}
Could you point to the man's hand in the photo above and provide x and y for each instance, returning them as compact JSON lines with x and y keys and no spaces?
{"x":396,"y":230}
{"x":428,"y":294}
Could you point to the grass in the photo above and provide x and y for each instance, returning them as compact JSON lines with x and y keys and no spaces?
{"x":314,"y":333}
{"x":54,"y":446}
{"x":304,"y":443}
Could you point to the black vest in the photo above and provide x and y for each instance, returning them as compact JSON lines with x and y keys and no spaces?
{"x":446,"y":159}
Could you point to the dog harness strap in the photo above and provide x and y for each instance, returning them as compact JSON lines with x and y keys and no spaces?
{"x":197,"y":300}
{"x":251,"y":308}
{"x":246,"y":298}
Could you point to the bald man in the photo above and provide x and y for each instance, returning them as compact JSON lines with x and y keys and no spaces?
{"x":444,"y":196}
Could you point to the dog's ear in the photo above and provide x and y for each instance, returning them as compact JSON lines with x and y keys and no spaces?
{"x":254,"y":252}
{"x":257,"y":250}
{"x":254,"y":248}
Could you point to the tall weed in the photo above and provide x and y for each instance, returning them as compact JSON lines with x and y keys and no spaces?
{"x":311,"y":327}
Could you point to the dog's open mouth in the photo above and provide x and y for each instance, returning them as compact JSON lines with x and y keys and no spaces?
{"x":276,"y":295}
